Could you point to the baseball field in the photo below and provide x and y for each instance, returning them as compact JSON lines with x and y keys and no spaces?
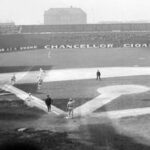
{"x":111,"y":113}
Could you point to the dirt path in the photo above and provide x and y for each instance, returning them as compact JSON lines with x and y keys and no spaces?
{"x":75,"y":74}
{"x":34,"y":102}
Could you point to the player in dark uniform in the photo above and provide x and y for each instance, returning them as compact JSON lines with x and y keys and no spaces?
{"x":98,"y":75}
{"x":48,"y":102}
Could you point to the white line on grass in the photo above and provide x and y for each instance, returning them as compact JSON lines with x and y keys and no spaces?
{"x":116,"y":114}
{"x":108,"y":94}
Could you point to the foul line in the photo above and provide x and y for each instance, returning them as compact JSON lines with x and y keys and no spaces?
{"x":35,"y":102}
{"x":108,"y":94}
{"x":116,"y":114}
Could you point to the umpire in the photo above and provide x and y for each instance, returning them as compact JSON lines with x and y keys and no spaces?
{"x":98,"y":75}
{"x":48,"y":102}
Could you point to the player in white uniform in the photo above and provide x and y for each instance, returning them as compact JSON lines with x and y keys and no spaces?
{"x":13,"y":79}
{"x":41,"y":72}
{"x":70,"y":107}
{"x":40,"y":78}
{"x":29,"y":98}
{"x":40,"y":81}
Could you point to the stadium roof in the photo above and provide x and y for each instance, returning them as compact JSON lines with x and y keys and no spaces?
{"x":62,"y":11}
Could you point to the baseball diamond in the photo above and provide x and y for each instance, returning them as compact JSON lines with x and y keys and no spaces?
{"x":66,"y":65}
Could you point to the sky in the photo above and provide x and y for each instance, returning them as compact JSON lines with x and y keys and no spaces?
{"x":32,"y":11}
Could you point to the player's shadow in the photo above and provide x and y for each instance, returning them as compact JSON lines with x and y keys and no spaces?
{"x":104,"y":135}
{"x":8,"y":69}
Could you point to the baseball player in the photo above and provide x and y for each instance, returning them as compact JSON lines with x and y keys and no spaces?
{"x":13,"y":79}
{"x":70,"y":107}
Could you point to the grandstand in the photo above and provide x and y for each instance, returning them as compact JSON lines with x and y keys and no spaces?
{"x":37,"y":36}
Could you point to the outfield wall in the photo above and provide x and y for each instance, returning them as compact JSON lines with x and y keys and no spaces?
{"x":75,"y":28}
{"x":86,"y":27}
{"x":19,"y":42}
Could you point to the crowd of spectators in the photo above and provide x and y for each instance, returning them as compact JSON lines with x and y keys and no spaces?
{"x":40,"y":40}
{"x":14,"y":38}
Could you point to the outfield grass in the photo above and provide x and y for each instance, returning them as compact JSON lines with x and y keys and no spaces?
{"x":73,"y":58}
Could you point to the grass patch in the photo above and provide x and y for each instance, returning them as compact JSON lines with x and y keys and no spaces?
{"x":9,"y":69}
{"x":17,"y":110}
{"x":131,"y":101}
{"x":104,"y":135}
{"x":40,"y":140}
{"x":74,"y":58}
